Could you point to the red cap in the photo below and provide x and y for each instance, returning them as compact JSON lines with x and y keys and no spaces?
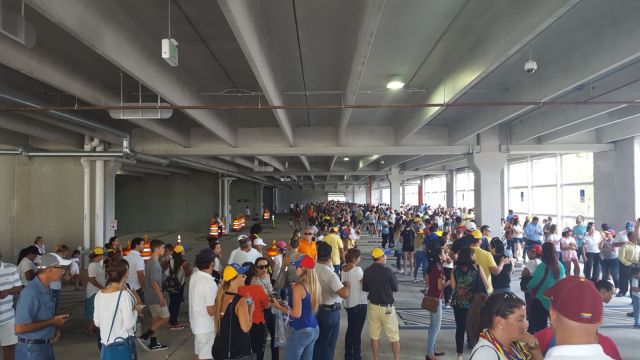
{"x":536,"y":249}
{"x":577,"y":299}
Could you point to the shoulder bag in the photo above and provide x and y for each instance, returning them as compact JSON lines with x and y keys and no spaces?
{"x":120,"y":349}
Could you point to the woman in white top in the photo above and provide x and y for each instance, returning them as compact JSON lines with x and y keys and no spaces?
{"x":554,"y":238}
{"x":116,"y":313}
{"x":355,"y":303}
{"x":26,"y":266}
{"x":591,"y":253}
{"x":502,"y":329}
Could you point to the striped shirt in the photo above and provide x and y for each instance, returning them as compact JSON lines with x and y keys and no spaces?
{"x":9,"y":279}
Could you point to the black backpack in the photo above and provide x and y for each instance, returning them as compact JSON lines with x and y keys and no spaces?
{"x":171,"y":284}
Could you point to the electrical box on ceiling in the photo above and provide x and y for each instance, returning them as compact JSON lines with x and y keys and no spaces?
{"x":170,"y":51}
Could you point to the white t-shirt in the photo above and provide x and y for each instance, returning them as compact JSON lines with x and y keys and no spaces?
{"x":125,"y":320}
{"x":136,"y":263}
{"x":590,"y":351}
{"x":74,"y":268}
{"x":484,"y":350}
{"x":238,"y":257}
{"x":532,"y":265}
{"x":356,"y":295}
{"x":555,"y":239}
{"x":26,"y":265}
{"x":202,"y":293}
{"x":96,"y":270}
{"x":329,"y":283}
{"x":590,"y":242}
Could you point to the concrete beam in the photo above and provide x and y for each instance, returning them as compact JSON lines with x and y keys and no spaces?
{"x":427,"y":161}
{"x":609,"y":118}
{"x":238,"y":160}
{"x":305,"y":162}
{"x":557,"y":148}
{"x":459,"y":61}
{"x":244,"y":22}
{"x":365,"y":161}
{"x":366,"y":34}
{"x":548,"y":120}
{"x":39,"y":63}
{"x":332,"y":163}
{"x":339,"y":173}
{"x":13,"y":138}
{"x":618,"y":131}
{"x":611,"y":29}
{"x":126,"y":47}
{"x":271,"y":161}
{"x":28,"y":126}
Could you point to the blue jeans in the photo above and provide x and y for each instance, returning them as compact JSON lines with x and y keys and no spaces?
{"x":329,"y":325}
{"x":420,"y":257}
{"x":435,"y":320}
{"x":610,"y":267}
{"x":300,"y":344}
{"x":356,"y":316}
{"x":635,"y":300}
{"x":336,"y":269}
{"x":35,"y":352}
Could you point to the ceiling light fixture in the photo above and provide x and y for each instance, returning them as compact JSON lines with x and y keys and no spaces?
{"x":395,"y":84}
{"x":346,"y":158}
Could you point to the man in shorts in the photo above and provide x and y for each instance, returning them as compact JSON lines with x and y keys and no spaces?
{"x":9,"y":285}
{"x":381,"y":283}
{"x":202,"y":296}
{"x":154,"y":298}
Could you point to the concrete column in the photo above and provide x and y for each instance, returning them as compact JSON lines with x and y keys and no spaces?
{"x":98,"y":225}
{"x":394,"y":182}
{"x":259,"y":206}
{"x":369,"y":196}
{"x":488,"y":168}
{"x":616,"y":182}
{"x":450,"y":185}
{"x":226,"y":209}
{"x":110,"y":171}
{"x":86,"y":220}
{"x":220,"y":195}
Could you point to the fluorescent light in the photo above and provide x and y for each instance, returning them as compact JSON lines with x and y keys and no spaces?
{"x":395,"y":85}
{"x":346,"y":158}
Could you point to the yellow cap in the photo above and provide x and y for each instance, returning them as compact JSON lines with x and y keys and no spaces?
{"x":233,"y":270}
{"x":476,"y":234}
{"x":98,"y":251}
{"x":439,"y":233}
{"x":377,"y":253}
{"x":178,"y":249}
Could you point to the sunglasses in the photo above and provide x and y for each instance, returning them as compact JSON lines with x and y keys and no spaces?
{"x":262,"y":266}
{"x":308,"y":234}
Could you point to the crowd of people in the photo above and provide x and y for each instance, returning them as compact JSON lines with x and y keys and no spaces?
{"x":292,"y":292}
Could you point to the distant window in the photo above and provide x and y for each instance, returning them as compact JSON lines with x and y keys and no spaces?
{"x":336,"y":197}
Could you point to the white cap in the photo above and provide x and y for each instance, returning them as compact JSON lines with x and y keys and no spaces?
{"x":50,"y":260}
{"x":471,"y":225}
{"x":242,"y":237}
{"x":259,"y":241}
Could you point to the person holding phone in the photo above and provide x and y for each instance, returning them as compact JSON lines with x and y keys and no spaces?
{"x":37,"y":326}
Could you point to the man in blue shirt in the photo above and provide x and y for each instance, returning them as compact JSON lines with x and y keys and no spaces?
{"x":533,"y":233}
{"x":37,"y":326}
{"x":578,"y":233}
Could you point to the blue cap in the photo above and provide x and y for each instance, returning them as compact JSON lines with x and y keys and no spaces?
{"x":232,"y":270}
{"x":630,"y":226}
{"x":304,"y":261}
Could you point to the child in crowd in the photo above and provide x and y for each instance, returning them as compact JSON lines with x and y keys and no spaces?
{"x":635,"y":295}
{"x":74,"y":269}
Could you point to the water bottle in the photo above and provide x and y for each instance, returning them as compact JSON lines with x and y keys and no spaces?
{"x":249,"y":300}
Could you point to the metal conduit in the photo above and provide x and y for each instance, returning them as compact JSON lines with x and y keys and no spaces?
{"x":30,"y":106}
{"x":56,"y":109}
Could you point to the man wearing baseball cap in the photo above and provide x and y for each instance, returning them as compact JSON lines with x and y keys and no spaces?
{"x":576,"y":312}
{"x":37,"y":326}
{"x":245,"y":252}
{"x":381,"y":283}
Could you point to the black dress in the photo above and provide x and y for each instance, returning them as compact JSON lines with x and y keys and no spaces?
{"x":230,"y":329}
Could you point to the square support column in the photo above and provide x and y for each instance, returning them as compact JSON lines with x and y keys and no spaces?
{"x":110,"y":170}
{"x":488,"y":169}
{"x":394,"y":182}
{"x":616,"y":183}
{"x":450,"y":186}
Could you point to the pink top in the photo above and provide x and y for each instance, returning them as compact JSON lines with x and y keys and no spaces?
{"x":568,"y":255}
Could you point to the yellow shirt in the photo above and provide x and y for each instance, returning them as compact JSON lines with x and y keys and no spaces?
{"x":485,"y":260}
{"x":336,"y":245}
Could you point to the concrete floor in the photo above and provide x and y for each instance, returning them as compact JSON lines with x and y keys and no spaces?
{"x":413,"y":320}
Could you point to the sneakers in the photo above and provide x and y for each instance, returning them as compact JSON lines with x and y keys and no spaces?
{"x":177,"y":327}
{"x":157,"y":346}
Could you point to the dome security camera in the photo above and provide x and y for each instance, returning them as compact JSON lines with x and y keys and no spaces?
{"x":531,"y":66}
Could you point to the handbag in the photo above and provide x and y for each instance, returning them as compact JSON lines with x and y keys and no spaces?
{"x":250,"y":356}
{"x":281,"y":281}
{"x":430,"y":303}
{"x":120,"y":349}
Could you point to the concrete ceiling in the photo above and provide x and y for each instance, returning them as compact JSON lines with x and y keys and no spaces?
{"x":331,"y":52}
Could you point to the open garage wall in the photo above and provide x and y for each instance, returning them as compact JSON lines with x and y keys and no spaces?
{"x":40,"y":196}
{"x":287,"y":196}
{"x":166,"y":203}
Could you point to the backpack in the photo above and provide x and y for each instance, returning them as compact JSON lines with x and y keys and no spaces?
{"x":171,"y":284}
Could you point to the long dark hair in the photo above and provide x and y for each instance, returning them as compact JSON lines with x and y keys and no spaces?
{"x":550,"y":258}
{"x":31,"y":249}
{"x":251,"y":273}
{"x":501,"y":304}
{"x":434,"y":258}
{"x":178,"y":259}
{"x":465,"y":257}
